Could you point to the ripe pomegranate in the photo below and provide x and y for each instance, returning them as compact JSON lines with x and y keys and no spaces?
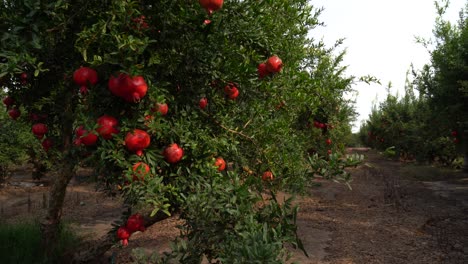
{"x":211,"y":5}
{"x":267,"y":176}
{"x":137,"y":141}
{"x":328,"y":141}
{"x":454,"y":133}
{"x":220,"y":163}
{"x":329,"y":152}
{"x":47,"y":144}
{"x":203,"y":103}
{"x":173,"y":153}
{"x":262,"y":70}
{"x":14,"y":113}
{"x":231,"y":91}
{"x":24,"y":76}
{"x":141,"y":170}
{"x":131,"y":89}
{"x":161,"y":108}
{"x":89,"y":139}
{"x":317,"y":124}
{"x":85,"y":75}
{"x":135,"y":223}
{"x":39,"y":130}
{"x":123,"y":234}
{"x":85,"y":137}
{"x":274,"y":64}
{"x":106,"y":126}
{"x":8,"y":101}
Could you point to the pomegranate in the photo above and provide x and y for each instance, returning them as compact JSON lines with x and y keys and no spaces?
{"x":454,"y":133}
{"x":262,"y":70}
{"x":137,"y":141}
{"x":161,"y":108}
{"x":89,"y":139}
{"x":14,"y":113}
{"x":329,"y":152}
{"x":131,"y":89}
{"x":84,"y":137}
{"x":274,"y":64}
{"x":203,"y":103}
{"x":135,"y":223}
{"x":39,"y":130}
{"x":267,"y":176}
{"x":47,"y":144}
{"x":123,"y":234}
{"x":211,"y":5}
{"x":106,"y":126}
{"x":8,"y":101}
{"x":85,"y":75}
{"x":173,"y":153}
{"x":328,"y":141}
{"x":141,"y":170}
{"x":231,"y":91}
{"x":24,"y":76}
{"x":220,"y":163}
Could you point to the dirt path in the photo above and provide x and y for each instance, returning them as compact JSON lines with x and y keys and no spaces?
{"x":395,"y":213}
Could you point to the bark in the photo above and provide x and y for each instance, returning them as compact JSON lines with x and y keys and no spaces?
{"x":89,"y":251}
{"x":50,"y":225}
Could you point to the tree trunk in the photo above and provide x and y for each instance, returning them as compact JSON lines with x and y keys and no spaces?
{"x":50,"y":225}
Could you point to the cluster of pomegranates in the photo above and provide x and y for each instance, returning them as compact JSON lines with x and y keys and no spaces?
{"x":271,"y":66}
{"x":134,"y":223}
{"x":13,"y":110}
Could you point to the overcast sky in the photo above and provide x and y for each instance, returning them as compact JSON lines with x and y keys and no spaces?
{"x":380,"y":40}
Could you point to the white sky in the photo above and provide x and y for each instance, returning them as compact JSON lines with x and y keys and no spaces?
{"x":380,"y":40}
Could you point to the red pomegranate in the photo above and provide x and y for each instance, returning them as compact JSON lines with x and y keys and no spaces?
{"x":14,"y":113}
{"x":220,"y":163}
{"x":211,"y":5}
{"x":89,"y":139}
{"x":131,"y":89}
{"x":8,"y":101}
{"x":173,"y":153}
{"x":454,"y":132}
{"x":85,"y":137}
{"x":231,"y":91}
{"x":161,"y":108}
{"x":39,"y":130}
{"x":262,"y":70}
{"x":135,"y":223}
{"x":47,"y":144}
{"x":328,"y":141}
{"x":267,"y":176}
{"x":137,"y":141}
{"x":85,"y":75}
{"x":107,"y":126}
{"x":141,"y":170}
{"x":123,"y":234}
{"x":203,"y":103}
{"x":274,"y":64}
{"x":84,"y":90}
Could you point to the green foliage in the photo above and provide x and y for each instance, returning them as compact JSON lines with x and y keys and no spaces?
{"x":22,"y":243}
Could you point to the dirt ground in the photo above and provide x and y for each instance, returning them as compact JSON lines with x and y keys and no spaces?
{"x":395,"y":213}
